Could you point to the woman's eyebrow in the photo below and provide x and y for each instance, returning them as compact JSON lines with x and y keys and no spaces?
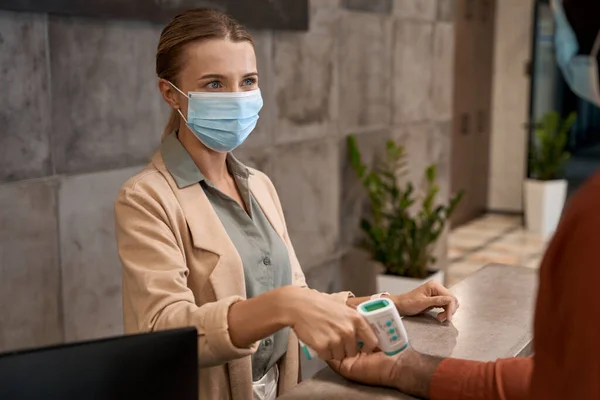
{"x":222,"y":77}
{"x":211,"y":76}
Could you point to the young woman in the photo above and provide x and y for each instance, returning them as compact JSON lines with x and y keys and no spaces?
{"x":203,"y":240}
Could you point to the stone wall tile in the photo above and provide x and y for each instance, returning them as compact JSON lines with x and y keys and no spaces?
{"x":325,"y":277}
{"x":425,"y":10}
{"x":445,"y":11}
{"x":107,"y":110}
{"x":365,"y":71}
{"x":306,"y":176}
{"x":413,"y":68}
{"x":257,"y":158}
{"x":359,"y":272}
{"x":443,"y":71}
{"x":91,"y":268}
{"x":25,"y":101}
{"x":306,"y":83}
{"x":30,"y":309}
{"x":439,"y":153}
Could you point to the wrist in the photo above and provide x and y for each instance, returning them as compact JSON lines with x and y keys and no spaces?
{"x":381,"y":295}
{"x":284,"y":304}
{"x":401,"y":302}
{"x":413,"y":373}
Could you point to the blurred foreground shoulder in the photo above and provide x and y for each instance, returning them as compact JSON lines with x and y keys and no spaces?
{"x":584,"y":203}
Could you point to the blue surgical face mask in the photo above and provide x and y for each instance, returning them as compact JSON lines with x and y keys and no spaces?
{"x":580,"y":71}
{"x":222,"y":120}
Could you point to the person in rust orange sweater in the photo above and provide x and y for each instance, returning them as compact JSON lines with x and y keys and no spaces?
{"x":566,"y":364}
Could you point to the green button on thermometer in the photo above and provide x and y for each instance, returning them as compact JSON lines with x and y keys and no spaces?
{"x":386,"y":323}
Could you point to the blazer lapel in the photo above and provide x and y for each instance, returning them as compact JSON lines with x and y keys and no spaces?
{"x":209,"y":234}
{"x":266,"y":203}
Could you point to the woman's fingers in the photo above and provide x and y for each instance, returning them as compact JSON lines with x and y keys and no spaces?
{"x":334,"y":331}
{"x":448,"y":303}
{"x":442,"y":316}
{"x":325,"y":354}
{"x":351,"y":347}
{"x":338,"y":350}
{"x":366,"y":335}
{"x":441,"y":301}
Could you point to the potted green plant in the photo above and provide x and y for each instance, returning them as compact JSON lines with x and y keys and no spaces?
{"x":545,"y":191}
{"x":403,"y":226}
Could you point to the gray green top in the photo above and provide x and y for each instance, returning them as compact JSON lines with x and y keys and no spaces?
{"x":263,"y":253}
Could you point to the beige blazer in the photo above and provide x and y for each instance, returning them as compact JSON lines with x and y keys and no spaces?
{"x":181,"y":269}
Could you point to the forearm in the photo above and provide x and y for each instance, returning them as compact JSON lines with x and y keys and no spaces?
{"x":254,"y":319}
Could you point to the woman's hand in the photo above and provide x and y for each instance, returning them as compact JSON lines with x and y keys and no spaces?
{"x":426,"y":297}
{"x":409,"y":371}
{"x":375,"y":369}
{"x":328,"y":327}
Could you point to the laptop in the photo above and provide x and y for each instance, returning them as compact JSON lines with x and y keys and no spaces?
{"x":159,"y":365}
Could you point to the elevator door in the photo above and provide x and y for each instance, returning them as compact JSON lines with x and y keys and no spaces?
{"x":474,"y":44}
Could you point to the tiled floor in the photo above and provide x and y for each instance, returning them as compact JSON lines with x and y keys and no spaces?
{"x":493,"y":238}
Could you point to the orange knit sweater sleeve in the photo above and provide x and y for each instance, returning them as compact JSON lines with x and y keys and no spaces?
{"x":567,"y":331}
{"x":506,"y":379}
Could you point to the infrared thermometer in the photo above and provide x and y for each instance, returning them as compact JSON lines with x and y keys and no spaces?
{"x":383,"y":317}
{"x":385,"y":321}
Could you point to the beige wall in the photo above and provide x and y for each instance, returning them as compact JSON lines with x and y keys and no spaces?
{"x":510,"y":104}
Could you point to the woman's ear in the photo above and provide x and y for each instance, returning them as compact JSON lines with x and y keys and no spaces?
{"x":169,"y":93}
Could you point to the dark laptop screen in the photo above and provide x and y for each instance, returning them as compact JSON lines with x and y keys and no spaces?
{"x":159,"y":365}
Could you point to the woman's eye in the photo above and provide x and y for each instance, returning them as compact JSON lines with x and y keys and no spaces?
{"x":214,"y":85}
{"x":249,"y":82}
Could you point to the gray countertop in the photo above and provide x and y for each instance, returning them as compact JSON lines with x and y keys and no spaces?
{"x":494,"y":321}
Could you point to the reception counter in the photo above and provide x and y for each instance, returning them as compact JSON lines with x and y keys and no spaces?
{"x":494,"y":321}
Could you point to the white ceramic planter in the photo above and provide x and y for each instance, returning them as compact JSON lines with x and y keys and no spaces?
{"x":398,"y":285}
{"x":544,"y":202}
